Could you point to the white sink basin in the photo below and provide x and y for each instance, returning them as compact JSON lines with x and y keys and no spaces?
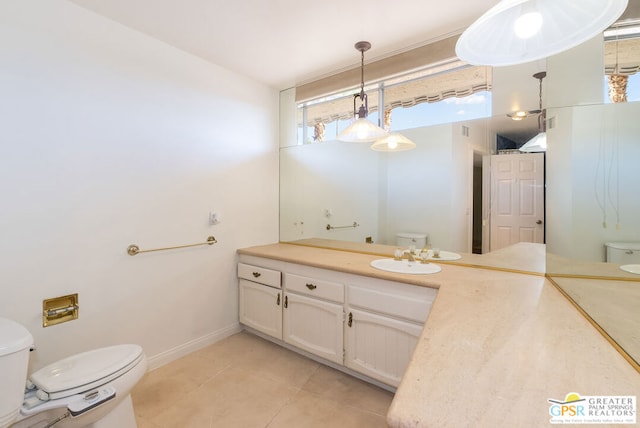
{"x":405,"y":266}
{"x":631,"y":268}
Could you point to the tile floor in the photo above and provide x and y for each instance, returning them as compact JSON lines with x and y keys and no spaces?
{"x":245,"y":381}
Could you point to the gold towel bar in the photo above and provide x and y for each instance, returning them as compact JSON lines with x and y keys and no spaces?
{"x":354,"y":225}
{"x":133,"y":249}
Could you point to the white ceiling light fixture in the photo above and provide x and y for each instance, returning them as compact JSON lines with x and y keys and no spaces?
{"x":539,"y":142}
{"x":393,"y":142}
{"x":361,"y":130}
{"x":522,"y":114}
{"x":519,"y":31}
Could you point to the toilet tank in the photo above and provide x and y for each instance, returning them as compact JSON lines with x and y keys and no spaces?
{"x":15,"y":344}
{"x":623,"y":252}
{"x":406,"y":239}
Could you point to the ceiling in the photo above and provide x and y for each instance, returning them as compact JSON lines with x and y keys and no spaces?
{"x":287,"y":42}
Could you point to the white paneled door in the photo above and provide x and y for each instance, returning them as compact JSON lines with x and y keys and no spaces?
{"x":517,"y":199}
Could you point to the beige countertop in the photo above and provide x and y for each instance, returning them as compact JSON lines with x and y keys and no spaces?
{"x":521,"y":257}
{"x":495,"y":347}
{"x":613,"y":304}
{"x":558,"y":266}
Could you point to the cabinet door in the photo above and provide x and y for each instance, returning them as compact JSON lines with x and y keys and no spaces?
{"x":261,"y":308}
{"x":314,"y":325}
{"x":378,"y":346}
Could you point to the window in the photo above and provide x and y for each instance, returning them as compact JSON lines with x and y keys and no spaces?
{"x":622,"y":70}
{"x":447,"y":93}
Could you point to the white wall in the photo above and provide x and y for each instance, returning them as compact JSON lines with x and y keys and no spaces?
{"x":418,"y":188}
{"x":575,"y":76}
{"x":558,"y":182}
{"x":109,"y":138}
{"x":593,"y":180}
{"x":417,"y":197}
{"x":335,"y":176}
{"x":514,"y":88}
{"x":429,"y":189}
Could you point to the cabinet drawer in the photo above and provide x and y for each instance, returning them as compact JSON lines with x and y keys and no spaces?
{"x":410,"y":302}
{"x":259,"y":274}
{"x":314,"y":287}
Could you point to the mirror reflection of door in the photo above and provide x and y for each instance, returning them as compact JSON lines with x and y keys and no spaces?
{"x":517,"y":199}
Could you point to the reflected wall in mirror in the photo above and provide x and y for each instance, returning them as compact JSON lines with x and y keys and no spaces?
{"x":593,"y":179}
{"x":427,"y":190}
{"x":592,"y":186}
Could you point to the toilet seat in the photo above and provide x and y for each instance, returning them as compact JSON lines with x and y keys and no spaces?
{"x":82,"y":372}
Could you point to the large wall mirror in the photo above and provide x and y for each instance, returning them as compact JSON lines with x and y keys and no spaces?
{"x":592,"y":168}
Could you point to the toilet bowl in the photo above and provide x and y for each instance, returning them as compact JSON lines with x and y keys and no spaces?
{"x":90,"y":389}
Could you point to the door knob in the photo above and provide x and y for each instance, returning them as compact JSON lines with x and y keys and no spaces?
{"x":539,"y":222}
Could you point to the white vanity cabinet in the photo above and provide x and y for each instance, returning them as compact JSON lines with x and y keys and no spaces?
{"x":313,"y":316}
{"x":364,"y":326}
{"x":384,"y":322}
{"x":260,"y":299}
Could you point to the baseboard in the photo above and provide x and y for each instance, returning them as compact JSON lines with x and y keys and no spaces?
{"x":173,"y":354}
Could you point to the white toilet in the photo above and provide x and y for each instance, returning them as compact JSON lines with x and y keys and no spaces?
{"x":623,"y":252}
{"x":90,"y":389}
{"x":406,"y":240}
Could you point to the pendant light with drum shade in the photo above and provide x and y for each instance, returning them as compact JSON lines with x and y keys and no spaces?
{"x":364,"y":131}
{"x":361,"y":130}
{"x":393,"y":142}
{"x":518,"y":31}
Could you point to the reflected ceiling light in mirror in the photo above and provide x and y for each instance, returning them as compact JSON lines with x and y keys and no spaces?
{"x":518,"y":115}
{"x":539,"y":142}
{"x":361,"y":130}
{"x":519,"y":31}
{"x":393,"y":142}
{"x":521,"y":114}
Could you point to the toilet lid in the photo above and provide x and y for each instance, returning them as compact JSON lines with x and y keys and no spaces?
{"x":623,"y":245}
{"x":80,"y":372}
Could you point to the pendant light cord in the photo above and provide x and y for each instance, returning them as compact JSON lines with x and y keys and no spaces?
{"x":363,"y":111}
{"x":362,"y":73}
{"x":542,"y":115}
{"x":540,"y":94}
